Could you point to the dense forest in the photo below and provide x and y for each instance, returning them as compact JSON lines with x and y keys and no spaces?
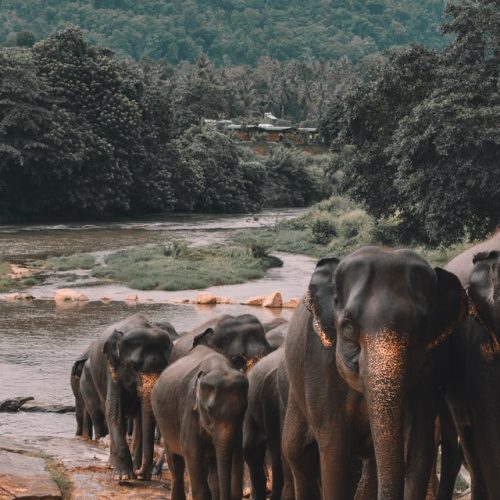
{"x":233,"y":32}
{"x":85,"y":132}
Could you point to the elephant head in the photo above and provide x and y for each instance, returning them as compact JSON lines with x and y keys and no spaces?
{"x":238,"y":338}
{"x":484,"y":292}
{"x":221,"y":401}
{"x":382,"y":310}
{"x":135,"y":361}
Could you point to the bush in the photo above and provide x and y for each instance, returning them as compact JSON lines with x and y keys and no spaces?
{"x":323,"y":230}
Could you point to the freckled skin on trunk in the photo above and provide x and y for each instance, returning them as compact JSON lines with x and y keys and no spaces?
{"x":384,"y":391}
{"x":147,"y":382}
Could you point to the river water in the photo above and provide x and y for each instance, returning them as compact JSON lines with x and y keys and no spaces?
{"x":39,"y":340}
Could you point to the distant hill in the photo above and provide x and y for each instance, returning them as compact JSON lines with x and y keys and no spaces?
{"x":233,"y":31}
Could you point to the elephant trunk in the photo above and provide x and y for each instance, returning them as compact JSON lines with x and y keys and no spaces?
{"x":148,"y":426}
{"x":224,"y":441}
{"x":386,"y":354}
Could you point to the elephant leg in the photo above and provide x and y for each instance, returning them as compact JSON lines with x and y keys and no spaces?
{"x":255,"y":450}
{"x":277,"y":468}
{"x":301,"y":453}
{"x":288,"y":490}
{"x":421,"y":453}
{"x":197,"y":473}
{"x":338,"y":465}
{"x":137,"y":441}
{"x":213,"y":479}
{"x":367,"y":486}
{"x":86,"y":425}
{"x":176,"y":465}
{"x":237,"y":471}
{"x":451,"y":457}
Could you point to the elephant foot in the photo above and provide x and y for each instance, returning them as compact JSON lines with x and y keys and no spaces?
{"x":142,"y":474}
{"x":123,"y":473}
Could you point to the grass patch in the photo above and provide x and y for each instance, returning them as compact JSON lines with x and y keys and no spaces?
{"x":337,"y":226}
{"x":5,"y":281}
{"x":69,"y":262}
{"x":180,"y":267}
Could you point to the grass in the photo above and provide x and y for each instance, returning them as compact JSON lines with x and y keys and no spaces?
{"x":337,"y":226}
{"x":5,"y":281}
{"x":69,"y":262}
{"x":180,"y":267}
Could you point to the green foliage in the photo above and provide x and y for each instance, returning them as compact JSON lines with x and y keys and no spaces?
{"x":69,"y":262}
{"x":323,"y":230}
{"x":5,"y":281}
{"x":234,"y":31}
{"x":179,"y":267}
{"x":418,"y":142}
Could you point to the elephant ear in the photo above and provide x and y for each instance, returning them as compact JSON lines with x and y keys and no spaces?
{"x":112,"y":348}
{"x":197,"y":390}
{"x":319,"y":300}
{"x":204,"y":338}
{"x":451,"y":306}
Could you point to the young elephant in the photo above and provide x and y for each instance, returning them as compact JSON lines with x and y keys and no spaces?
{"x":236,"y":336}
{"x":124,"y":363}
{"x":199,"y":403}
{"x":262,"y":427}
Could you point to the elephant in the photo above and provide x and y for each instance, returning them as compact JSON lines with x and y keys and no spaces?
{"x":263,"y":422}
{"x":241,"y":338}
{"x":276,"y":336}
{"x":365,"y":359}
{"x":199,"y":403}
{"x":473,"y":390}
{"x":83,"y":423}
{"x":92,"y":404}
{"x":124,"y":363}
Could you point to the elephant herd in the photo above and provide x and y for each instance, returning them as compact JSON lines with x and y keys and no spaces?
{"x":385,"y":360}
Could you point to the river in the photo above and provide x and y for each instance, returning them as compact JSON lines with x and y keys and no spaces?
{"x":39,"y":340}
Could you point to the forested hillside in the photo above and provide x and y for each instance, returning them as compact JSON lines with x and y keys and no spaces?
{"x":233,"y":31}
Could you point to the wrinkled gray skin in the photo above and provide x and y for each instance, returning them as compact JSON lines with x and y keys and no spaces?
{"x":83,"y":423}
{"x":276,"y":336}
{"x":92,"y":403}
{"x":263,"y":422}
{"x":364,"y":376}
{"x":238,"y":337}
{"x":474,"y":384}
{"x":199,"y":403}
{"x":119,"y":359}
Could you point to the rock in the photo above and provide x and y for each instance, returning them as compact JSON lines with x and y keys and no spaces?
{"x":12,"y":297}
{"x":255,"y":301}
{"x":13,"y":404}
{"x":273,"y":300}
{"x":292,"y":303}
{"x":47,"y":408}
{"x":105,"y":299}
{"x":181,"y":301}
{"x":132,"y":298}
{"x":22,"y":476}
{"x":206,"y":298}
{"x":224,"y":300}
{"x":67,"y":294}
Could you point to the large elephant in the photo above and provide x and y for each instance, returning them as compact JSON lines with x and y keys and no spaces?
{"x":199,"y":403}
{"x":363,"y":355}
{"x":241,"y":338}
{"x":263,"y":423}
{"x":474,"y":384}
{"x":124,"y":363}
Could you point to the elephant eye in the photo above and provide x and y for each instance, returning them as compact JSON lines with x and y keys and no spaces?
{"x":348,"y":329}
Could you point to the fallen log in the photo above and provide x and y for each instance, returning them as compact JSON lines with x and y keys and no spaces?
{"x":13,"y":404}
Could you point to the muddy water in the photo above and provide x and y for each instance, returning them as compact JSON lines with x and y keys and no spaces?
{"x":39,"y":340}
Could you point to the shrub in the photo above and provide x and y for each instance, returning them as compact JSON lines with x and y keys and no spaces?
{"x":323,"y":230}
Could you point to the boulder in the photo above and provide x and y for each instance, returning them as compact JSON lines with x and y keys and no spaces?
{"x":105,"y":299}
{"x":132,"y":298}
{"x":224,"y":300}
{"x":181,"y":301}
{"x":11,"y":297}
{"x":292,"y":303}
{"x":273,"y":300}
{"x":255,"y":301}
{"x":22,"y":476}
{"x":68,"y":295}
{"x":206,"y":298}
